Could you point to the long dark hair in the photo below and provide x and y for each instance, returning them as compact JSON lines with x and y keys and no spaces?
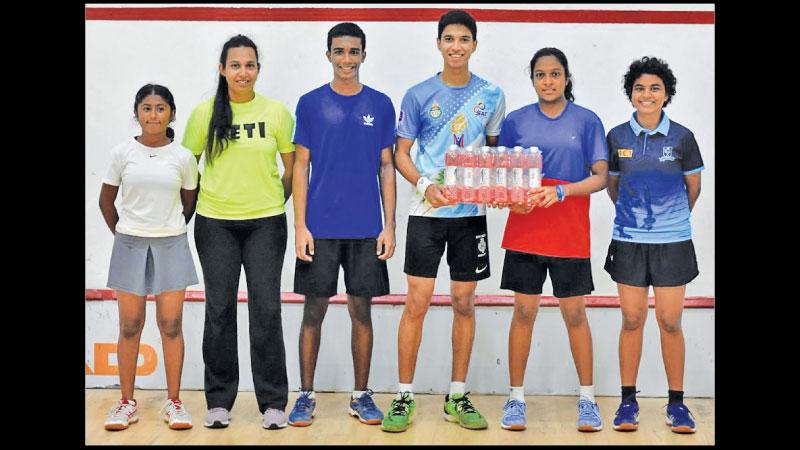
{"x":562,"y":58}
{"x":220,"y":126}
{"x":161,"y":91}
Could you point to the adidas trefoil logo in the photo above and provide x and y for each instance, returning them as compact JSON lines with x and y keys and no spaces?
{"x":368,"y":120}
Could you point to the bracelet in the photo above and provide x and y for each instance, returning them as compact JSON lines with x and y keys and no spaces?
{"x":560,"y":193}
{"x":422,"y":185}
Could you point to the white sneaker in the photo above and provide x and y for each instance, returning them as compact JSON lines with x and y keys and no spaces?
{"x":122,"y":415}
{"x":176,"y":415}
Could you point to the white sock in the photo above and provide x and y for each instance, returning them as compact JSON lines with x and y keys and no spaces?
{"x":310,"y":395}
{"x":587,"y":392}
{"x":518,"y":392}
{"x":405,"y":388}
{"x":457,"y":387}
{"x":357,"y":394}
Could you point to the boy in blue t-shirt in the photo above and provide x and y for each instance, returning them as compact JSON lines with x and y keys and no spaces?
{"x":344,"y":133}
{"x":452,"y":107}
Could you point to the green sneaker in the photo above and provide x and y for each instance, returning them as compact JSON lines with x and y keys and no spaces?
{"x":459,"y":409}
{"x":399,"y":416}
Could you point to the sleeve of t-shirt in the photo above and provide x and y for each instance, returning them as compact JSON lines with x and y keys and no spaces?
{"x":301,"y":130}
{"x":494,"y":125}
{"x":692,"y":161}
{"x":188,"y":171}
{"x":284,"y":130}
{"x":114,"y":173}
{"x":388,"y":132}
{"x":508,"y":134}
{"x":595,"y":144}
{"x":196,"y":133}
{"x":613,"y":157}
{"x":408,"y":123}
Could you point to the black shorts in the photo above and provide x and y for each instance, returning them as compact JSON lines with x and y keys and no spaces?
{"x":525,"y":273}
{"x":659,"y":265}
{"x":467,"y":247}
{"x":364,"y":274}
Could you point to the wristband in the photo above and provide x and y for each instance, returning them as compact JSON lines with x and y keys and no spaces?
{"x":422,"y":185}
{"x":560,"y":193}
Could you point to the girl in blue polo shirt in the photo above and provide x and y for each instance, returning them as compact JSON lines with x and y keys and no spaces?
{"x":654,"y":182}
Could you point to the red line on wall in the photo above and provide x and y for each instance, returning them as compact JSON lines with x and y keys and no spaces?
{"x":592,"y":301}
{"x":212,"y":14}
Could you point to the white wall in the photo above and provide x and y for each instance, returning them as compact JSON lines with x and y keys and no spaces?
{"x":121,"y":56}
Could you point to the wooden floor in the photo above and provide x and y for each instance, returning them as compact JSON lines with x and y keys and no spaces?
{"x":551,"y":420}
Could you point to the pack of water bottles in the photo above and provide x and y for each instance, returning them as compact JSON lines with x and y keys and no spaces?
{"x":491,"y":174}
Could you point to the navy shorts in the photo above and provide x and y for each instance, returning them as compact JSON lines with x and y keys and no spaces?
{"x":525,"y":273}
{"x":659,"y":265}
{"x":364,"y":274}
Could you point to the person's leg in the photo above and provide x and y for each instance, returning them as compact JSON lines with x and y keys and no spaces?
{"x":131,"y":322}
{"x":263,"y":251}
{"x":520,"y":335}
{"x":360,"y":309}
{"x":573,"y":311}
{"x":169,"y":315}
{"x":669,"y":311}
{"x":633,"y":303}
{"x":409,"y":333}
{"x":462,"y":296}
{"x":314,"y":309}
{"x":219,"y":250}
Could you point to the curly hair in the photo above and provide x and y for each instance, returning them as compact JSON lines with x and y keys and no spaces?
{"x":652,"y":66}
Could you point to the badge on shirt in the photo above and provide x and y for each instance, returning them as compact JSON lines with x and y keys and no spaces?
{"x":666,"y":154}
{"x":625,"y":152}
{"x":435,"y":111}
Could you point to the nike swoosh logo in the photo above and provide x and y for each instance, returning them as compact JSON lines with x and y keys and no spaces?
{"x":153,"y":156}
{"x":481,"y":270}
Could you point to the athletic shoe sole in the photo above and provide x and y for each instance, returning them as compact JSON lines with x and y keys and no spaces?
{"x":516,"y":427}
{"x":452,"y":419}
{"x":627,"y":427}
{"x":120,"y":426}
{"x":683,"y":429}
{"x":355,"y":413}
{"x":589,"y":428}
{"x":216,"y":424}
{"x":179,"y":425}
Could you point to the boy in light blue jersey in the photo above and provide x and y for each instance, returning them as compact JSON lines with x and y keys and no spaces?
{"x":452,"y":107}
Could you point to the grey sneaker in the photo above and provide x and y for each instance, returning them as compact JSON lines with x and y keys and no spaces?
{"x":217,"y":418}
{"x":124,"y":413}
{"x":274,"y":419}
{"x":176,"y":415}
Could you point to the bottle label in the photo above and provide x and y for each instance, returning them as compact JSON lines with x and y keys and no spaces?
{"x":518,"y":176}
{"x":450,"y":178}
{"x":484,"y":179}
{"x":468,"y":177}
{"x":500,"y":176}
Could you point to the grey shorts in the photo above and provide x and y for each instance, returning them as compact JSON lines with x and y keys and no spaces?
{"x":143,"y":266}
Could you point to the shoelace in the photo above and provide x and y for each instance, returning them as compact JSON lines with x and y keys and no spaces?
{"x":463,"y":404}
{"x":515,"y":407}
{"x":400,"y":405}
{"x":304,"y":401}
{"x":682,"y":408}
{"x":119,"y":410}
{"x":366,"y":399}
{"x":586,"y":409}
{"x":177,"y":407}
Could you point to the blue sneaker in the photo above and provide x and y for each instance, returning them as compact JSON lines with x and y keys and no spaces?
{"x":680,"y":419}
{"x":514,"y":415}
{"x":588,"y":416}
{"x":365,"y":409}
{"x":627,"y":417}
{"x":303,"y":412}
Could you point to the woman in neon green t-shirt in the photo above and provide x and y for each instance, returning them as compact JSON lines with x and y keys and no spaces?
{"x":241,"y":222}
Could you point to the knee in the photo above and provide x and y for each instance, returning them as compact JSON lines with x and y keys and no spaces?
{"x":632,"y":322}
{"x":170,"y":328}
{"x":312,"y":317}
{"x":361,"y":316}
{"x":463,"y":305}
{"x":525,"y":314}
{"x":576,"y":318}
{"x":415,"y":310}
{"x":670,"y":325}
{"x":131,"y":328}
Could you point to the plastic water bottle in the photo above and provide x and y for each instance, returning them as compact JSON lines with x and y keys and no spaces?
{"x":501,"y":165}
{"x":535,"y":176}
{"x":451,"y":161}
{"x":519,"y":184}
{"x":485,"y":162}
{"x":469,"y":163}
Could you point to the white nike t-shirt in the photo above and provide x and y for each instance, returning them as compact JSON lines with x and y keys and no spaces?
{"x":150,"y":180}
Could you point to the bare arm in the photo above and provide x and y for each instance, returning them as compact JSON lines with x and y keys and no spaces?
{"x":545,"y":196}
{"x":402,"y":159}
{"x":613,"y":188}
{"x":108,"y":194}
{"x":386,"y":240}
{"x":189,"y":201}
{"x":286,"y":179}
{"x":302,"y":236}
{"x":692,"y":187}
